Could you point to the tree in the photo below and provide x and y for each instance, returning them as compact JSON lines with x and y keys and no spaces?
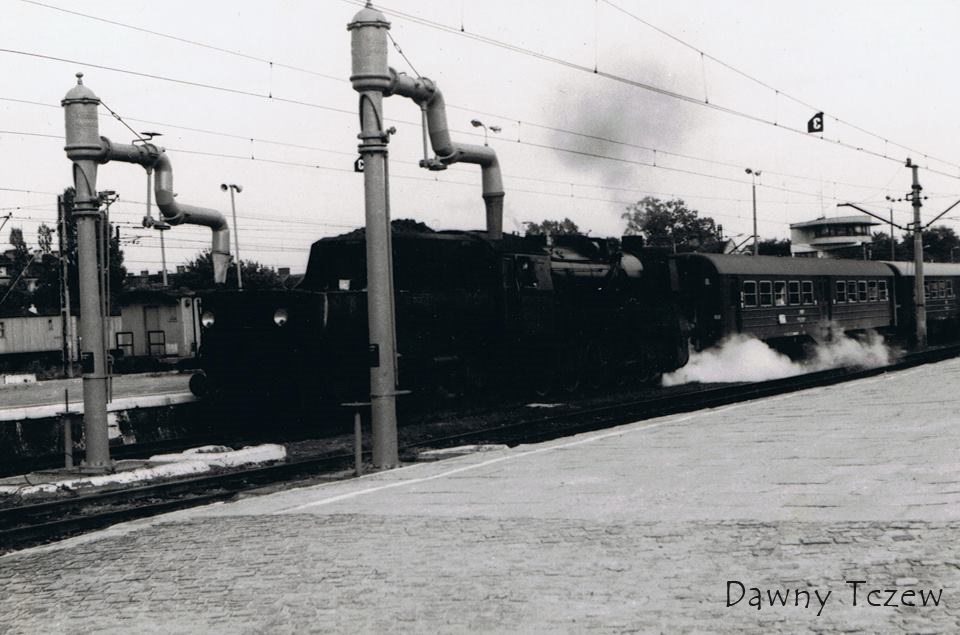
{"x":774,"y":247}
{"x":45,"y":238}
{"x":198,"y":274}
{"x":16,"y":295}
{"x":671,"y":224}
{"x":551,"y":228}
{"x":938,"y":244}
{"x":880,"y":247}
{"x":47,"y":295}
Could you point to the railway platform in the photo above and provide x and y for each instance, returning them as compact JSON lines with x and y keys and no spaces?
{"x":40,"y":400}
{"x":843,"y":502}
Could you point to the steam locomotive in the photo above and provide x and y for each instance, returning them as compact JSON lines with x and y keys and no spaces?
{"x":537,"y":316}
{"x":472,"y":313}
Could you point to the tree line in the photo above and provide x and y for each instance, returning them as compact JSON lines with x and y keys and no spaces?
{"x":673,"y":225}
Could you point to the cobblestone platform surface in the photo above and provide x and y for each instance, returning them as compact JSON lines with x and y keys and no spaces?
{"x":644,"y":528}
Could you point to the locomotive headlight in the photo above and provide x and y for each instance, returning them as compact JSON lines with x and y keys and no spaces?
{"x":280,"y":317}
{"x":207,"y":319}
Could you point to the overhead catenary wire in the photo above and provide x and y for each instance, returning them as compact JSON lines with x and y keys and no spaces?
{"x":586,"y":198}
{"x":645,"y":86}
{"x":595,"y":155}
{"x":467,"y":132}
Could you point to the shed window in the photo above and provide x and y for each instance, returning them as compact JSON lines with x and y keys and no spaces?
{"x":766,"y":293}
{"x":794,"y":290}
{"x":780,"y":293}
{"x":841,"y":294}
{"x":749,"y":296}
{"x":862,"y":291}
{"x":808,"y":292}
{"x":872,"y":290}
{"x":882,"y":290}
{"x":949,"y":288}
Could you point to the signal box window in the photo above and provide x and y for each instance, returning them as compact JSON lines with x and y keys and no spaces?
{"x":882,"y":290}
{"x":808,"y":292}
{"x":766,"y":293}
{"x":780,"y":292}
{"x":749,"y":294}
{"x":841,"y":293}
{"x":872,"y":291}
{"x":794,"y":288}
{"x":851,"y":290}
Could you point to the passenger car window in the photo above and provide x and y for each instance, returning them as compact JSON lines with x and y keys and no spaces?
{"x":766,"y":293}
{"x":926,"y":290}
{"x":841,"y":294}
{"x":862,"y":291}
{"x":949,"y":288}
{"x":808,"y":292}
{"x":780,"y":293}
{"x":794,"y":291}
{"x":942,"y":288}
{"x":851,"y":290}
{"x":749,"y":295}
{"x":882,"y":289}
{"x":872,"y":291}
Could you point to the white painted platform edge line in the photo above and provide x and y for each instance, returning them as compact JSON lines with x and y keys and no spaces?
{"x":473,"y":466}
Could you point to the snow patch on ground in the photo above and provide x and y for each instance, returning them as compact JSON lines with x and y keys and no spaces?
{"x":218,"y":456}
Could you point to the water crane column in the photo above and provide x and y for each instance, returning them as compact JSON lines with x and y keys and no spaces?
{"x":371,"y":78}
{"x":83,"y":148}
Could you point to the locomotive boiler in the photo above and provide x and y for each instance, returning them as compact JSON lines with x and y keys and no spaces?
{"x":473,"y":314}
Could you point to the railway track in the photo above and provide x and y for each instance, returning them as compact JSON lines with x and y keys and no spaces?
{"x":42,"y":522}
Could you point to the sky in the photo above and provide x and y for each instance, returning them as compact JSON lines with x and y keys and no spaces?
{"x":686,"y":96}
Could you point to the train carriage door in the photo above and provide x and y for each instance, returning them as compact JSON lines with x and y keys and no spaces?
{"x":825,"y":298}
{"x":737,"y":302}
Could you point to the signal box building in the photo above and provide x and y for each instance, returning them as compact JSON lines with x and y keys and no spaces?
{"x":840,"y":237}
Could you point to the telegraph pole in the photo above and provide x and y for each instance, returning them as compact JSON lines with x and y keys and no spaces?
{"x":919,"y":297}
{"x":65,"y":317}
{"x":753,"y":188}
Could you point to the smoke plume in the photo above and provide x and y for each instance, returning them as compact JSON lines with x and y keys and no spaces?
{"x":743,"y":358}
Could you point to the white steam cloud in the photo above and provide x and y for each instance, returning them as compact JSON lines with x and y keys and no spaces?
{"x":744,"y":358}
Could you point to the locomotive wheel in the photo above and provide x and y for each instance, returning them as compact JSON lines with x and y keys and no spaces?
{"x":543,"y":382}
{"x":570,"y":370}
{"x":598,"y":367}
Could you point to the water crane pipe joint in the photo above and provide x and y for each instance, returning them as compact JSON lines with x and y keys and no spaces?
{"x":371,"y":74}
{"x":87,"y":149}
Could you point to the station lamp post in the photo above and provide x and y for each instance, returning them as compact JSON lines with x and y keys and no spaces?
{"x":476,"y":123}
{"x":756,"y":238}
{"x":233,"y":187}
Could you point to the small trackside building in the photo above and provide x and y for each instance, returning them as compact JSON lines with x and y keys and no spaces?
{"x":770,"y":297}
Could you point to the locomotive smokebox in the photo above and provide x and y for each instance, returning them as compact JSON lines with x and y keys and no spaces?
{"x":369,"y":50}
